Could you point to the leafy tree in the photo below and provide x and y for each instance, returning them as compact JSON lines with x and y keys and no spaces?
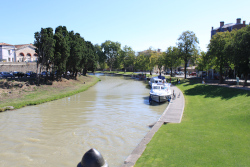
{"x":111,"y":51}
{"x":127,"y":57}
{"x":142,"y":62}
{"x":90,"y":58}
{"x":242,"y":51}
{"x":62,"y":50}
{"x":188,"y":47}
{"x":203,"y":61}
{"x":172,"y":59}
{"x":101,"y":56}
{"x":151,"y":60}
{"x":217,"y":51}
{"x":160,"y":61}
{"x":45,"y":44}
{"x":77,"y":46}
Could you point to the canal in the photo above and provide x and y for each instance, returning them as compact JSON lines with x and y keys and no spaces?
{"x":112,"y":117}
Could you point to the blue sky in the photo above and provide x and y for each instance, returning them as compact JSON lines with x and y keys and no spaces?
{"x":139,"y":24}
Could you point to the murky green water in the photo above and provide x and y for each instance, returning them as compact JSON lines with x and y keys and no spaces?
{"x":112,"y":117}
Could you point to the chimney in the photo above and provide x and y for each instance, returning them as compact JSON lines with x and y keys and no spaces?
{"x":212,"y":28}
{"x":221,"y":23}
{"x":238,"y":20}
{"x":244,"y":23}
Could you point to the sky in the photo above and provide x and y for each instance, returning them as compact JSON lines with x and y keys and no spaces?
{"x":139,"y":24}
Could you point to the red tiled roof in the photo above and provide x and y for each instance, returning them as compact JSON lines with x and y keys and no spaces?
{"x":6,"y":44}
{"x":18,"y":46}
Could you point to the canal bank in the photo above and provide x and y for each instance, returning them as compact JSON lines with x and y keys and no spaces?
{"x":172,"y":114}
{"x":17,"y":94}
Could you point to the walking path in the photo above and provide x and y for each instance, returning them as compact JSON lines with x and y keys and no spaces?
{"x":172,"y":114}
{"x":231,"y":86}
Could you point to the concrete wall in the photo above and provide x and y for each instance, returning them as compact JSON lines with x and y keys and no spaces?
{"x":18,"y":66}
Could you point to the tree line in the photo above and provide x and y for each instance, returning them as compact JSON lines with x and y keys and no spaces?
{"x":64,"y":51}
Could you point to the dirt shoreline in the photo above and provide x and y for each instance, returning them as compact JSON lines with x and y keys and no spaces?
{"x":18,"y":91}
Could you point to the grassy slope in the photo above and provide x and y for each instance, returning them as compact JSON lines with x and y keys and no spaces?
{"x":215,"y":131}
{"x":48,"y":93}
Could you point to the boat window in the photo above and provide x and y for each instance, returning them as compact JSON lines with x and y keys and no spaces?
{"x":156,"y":87}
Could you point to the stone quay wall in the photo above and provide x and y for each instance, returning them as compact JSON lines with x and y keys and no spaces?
{"x":18,"y":66}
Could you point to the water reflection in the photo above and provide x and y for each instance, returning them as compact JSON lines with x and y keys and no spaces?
{"x":111,"y":116}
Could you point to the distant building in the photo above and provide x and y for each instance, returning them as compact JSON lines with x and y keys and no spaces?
{"x":17,"y":53}
{"x":7,"y":52}
{"x":25,"y":53}
{"x":228,"y":27}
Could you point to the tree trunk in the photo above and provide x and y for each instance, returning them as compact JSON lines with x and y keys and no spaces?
{"x":245,"y":83}
{"x":221,"y":78}
{"x":185,"y":68}
{"x":84,"y":71}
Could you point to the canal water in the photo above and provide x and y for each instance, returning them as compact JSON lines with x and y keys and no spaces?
{"x":112,"y":117}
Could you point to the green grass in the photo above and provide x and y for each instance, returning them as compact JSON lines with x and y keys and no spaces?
{"x":41,"y":95}
{"x":215,"y":131}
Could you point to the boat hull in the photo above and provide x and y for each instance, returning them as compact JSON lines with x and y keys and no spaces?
{"x":160,"y":98}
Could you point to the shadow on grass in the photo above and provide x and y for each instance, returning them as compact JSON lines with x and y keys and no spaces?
{"x":210,"y":91}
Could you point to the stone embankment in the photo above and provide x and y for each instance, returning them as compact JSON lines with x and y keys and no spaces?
{"x":172,"y":114}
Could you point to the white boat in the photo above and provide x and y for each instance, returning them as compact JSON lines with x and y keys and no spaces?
{"x":160,"y":92}
{"x":159,"y":79}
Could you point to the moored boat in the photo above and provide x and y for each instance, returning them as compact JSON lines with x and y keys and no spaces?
{"x":159,"y":79}
{"x":160,"y":92}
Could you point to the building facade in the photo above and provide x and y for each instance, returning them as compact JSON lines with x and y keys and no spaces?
{"x":7,"y":52}
{"x":25,"y":53}
{"x":17,"y":53}
{"x":228,"y":27}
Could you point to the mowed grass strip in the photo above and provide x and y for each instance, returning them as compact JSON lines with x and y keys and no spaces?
{"x":215,"y":131}
{"x":45,"y":93}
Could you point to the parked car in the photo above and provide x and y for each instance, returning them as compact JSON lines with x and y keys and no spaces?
{"x":193,"y":74}
{"x":6,"y":75}
{"x":176,"y":72}
{"x":30,"y":74}
{"x":18,"y":74}
{"x":44,"y":73}
{"x":167,"y":72}
{"x":181,"y":73}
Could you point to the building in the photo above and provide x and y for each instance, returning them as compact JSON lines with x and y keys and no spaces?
{"x":7,"y":52}
{"x":17,"y":53}
{"x":25,"y":53}
{"x":228,"y":27}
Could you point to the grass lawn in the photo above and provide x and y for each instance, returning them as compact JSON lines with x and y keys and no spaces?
{"x":215,"y":131}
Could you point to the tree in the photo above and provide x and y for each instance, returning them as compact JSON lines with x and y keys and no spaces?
{"x":217,"y":52}
{"x":77,"y":46}
{"x":242,"y":51}
{"x":111,"y":51}
{"x":142,"y":62}
{"x":172,"y":59}
{"x":127,"y":57}
{"x":62,"y":50}
{"x":160,"y":61}
{"x":90,"y":58}
{"x":188,"y":47}
{"x":45,"y":44}
{"x":101,"y":56}
{"x":203,"y":61}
